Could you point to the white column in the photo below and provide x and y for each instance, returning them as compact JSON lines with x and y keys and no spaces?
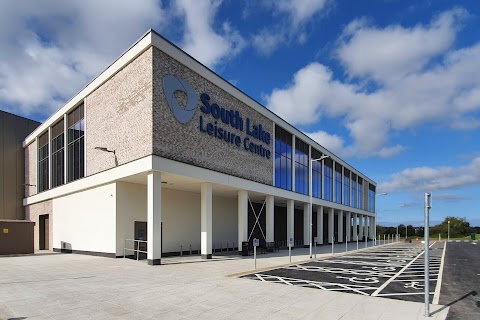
{"x":366,"y":226}
{"x":320,"y":224}
{"x":372,"y":227}
{"x":154,"y":218}
{"x":340,"y":226}
{"x":330,"y":224}
{"x":355,"y":227}
{"x":242,"y":218}
{"x":206,"y":220}
{"x":349,"y":226}
{"x":269,"y":218}
{"x":360,"y":226}
{"x":306,"y":224}
{"x":290,"y":219}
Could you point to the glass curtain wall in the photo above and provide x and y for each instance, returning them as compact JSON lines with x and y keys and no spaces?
{"x":354,"y":190}
{"x":301,"y":167}
{"x":43,"y":176}
{"x":58,"y":154}
{"x":338,"y":183}
{"x":327,"y":179}
{"x":76,"y":144}
{"x":316,"y":174}
{"x":371,"y":198}
{"x":283,"y":159}
{"x":346,"y":187}
{"x":360,"y":193}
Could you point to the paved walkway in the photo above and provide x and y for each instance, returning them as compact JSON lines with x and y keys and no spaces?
{"x":69,"y":286}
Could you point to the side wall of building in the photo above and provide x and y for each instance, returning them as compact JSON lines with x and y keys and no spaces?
{"x":189,"y":143}
{"x":119,"y":117}
{"x":86,"y":221}
{"x":13,"y":129}
{"x":131,"y":207}
{"x":33,"y":213}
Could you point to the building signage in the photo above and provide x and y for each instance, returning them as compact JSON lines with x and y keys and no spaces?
{"x":217,"y":121}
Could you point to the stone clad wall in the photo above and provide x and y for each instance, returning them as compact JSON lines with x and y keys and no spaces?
{"x":185,"y":142}
{"x":119,"y":117}
{"x":31,"y":169}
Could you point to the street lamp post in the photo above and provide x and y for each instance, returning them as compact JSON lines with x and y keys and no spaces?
{"x":448,"y":230}
{"x":311,"y":198}
{"x":375,"y":230}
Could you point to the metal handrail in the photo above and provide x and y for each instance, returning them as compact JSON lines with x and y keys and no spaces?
{"x":134,"y":250}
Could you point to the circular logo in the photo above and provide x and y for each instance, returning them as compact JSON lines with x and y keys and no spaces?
{"x":172,"y":84}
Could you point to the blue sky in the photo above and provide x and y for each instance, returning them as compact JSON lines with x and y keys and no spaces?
{"x":393,"y":87}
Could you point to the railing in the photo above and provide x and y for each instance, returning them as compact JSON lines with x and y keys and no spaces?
{"x":137,"y":250}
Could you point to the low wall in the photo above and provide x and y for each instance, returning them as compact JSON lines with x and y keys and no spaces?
{"x":16,"y":236}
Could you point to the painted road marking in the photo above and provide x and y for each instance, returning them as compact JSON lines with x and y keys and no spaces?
{"x":394,"y":273}
{"x":436,"y":296}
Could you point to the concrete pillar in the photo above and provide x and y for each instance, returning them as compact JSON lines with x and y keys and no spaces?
{"x":306,"y":224}
{"x":330,"y":225}
{"x":242,"y":218}
{"x":372,"y":228}
{"x":340,"y":226}
{"x":375,"y":227}
{"x":269,"y":218}
{"x":355,"y":227}
{"x":360,"y":226}
{"x":349,"y":227}
{"x":206,"y":220}
{"x":154,"y":218}
{"x":290,"y":219}
{"x":320,"y":224}
{"x":366,"y":226}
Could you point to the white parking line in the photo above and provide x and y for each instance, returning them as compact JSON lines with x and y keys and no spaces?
{"x":436,"y":297}
{"x":386,"y":283}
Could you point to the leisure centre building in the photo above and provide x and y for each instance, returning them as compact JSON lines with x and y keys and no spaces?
{"x":161,"y":149}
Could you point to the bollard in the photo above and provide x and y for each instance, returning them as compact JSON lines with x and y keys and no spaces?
{"x":190,"y":249}
{"x":357,"y":242}
{"x":290,"y":252}
{"x":366,"y":242}
{"x":181,"y":251}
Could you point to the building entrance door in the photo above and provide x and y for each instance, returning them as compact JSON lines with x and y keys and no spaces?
{"x":43,"y":232}
{"x":140,"y":234}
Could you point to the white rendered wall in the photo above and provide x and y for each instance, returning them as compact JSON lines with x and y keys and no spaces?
{"x":131,"y":207}
{"x":86,"y":220}
{"x":181,"y":220}
{"x":225,"y":222}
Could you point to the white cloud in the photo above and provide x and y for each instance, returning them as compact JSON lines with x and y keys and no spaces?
{"x":293,"y":18}
{"x":427,"y":179}
{"x":403,"y":96}
{"x":201,"y":40}
{"x":50,"y":49}
{"x":389,"y":53}
{"x":331,"y":142}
